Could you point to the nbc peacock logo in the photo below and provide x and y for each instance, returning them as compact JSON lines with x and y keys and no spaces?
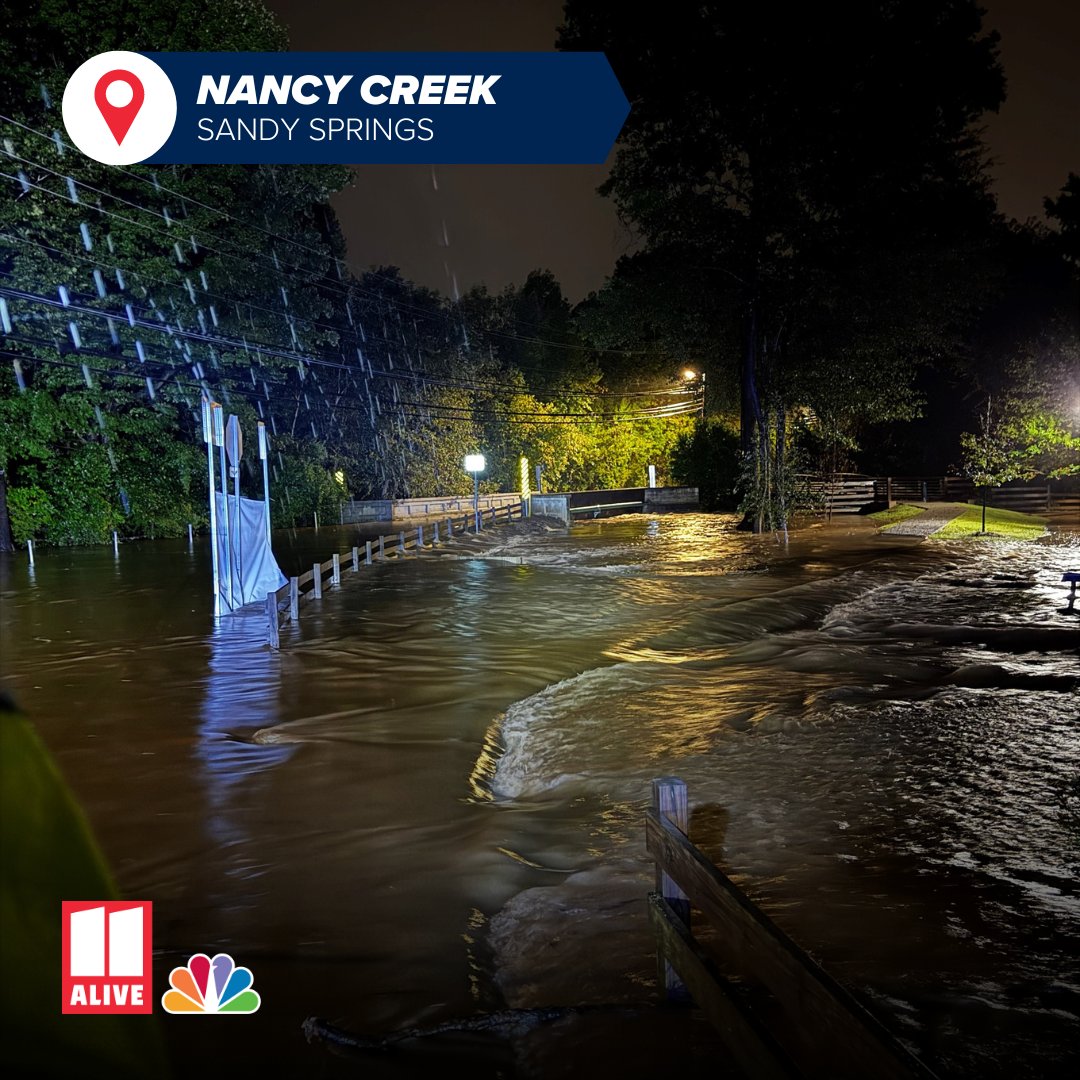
{"x":208,"y":986}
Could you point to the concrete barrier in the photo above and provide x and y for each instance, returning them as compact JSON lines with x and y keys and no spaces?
{"x":552,"y":506}
{"x":671,"y":498}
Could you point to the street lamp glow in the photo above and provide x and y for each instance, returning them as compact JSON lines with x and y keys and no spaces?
{"x":689,"y":374}
{"x":475,"y":464}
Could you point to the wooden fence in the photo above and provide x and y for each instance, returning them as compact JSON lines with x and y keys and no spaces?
{"x":842,"y":495}
{"x":309,"y":585}
{"x":779,"y":1012}
{"x":848,"y":493}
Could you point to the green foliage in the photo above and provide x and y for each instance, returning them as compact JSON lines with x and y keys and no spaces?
{"x":1017,"y":441}
{"x":31,"y":510}
{"x":708,"y":458}
{"x":895,"y":514}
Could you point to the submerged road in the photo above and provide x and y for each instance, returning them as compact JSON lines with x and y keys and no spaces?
{"x":442,"y":811}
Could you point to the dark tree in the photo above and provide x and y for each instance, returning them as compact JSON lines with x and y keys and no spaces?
{"x":821,"y":169}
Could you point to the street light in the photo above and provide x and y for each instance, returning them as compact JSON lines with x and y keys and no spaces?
{"x":475,"y":464}
{"x":689,"y":374}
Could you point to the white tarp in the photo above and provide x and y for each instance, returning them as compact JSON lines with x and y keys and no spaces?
{"x":254,"y":569}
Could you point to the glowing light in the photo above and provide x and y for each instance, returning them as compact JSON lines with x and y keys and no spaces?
{"x":689,"y":374}
{"x":475,"y":463}
{"x":339,"y":476}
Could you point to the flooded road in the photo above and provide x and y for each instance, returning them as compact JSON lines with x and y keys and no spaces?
{"x":430,"y":801}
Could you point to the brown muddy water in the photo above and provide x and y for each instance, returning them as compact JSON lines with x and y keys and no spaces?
{"x":429,"y":803}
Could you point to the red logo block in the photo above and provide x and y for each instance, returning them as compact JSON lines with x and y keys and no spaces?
{"x":107,"y":956}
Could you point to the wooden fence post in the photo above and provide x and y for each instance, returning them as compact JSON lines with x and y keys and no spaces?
{"x":382,"y":552}
{"x":449,"y":528}
{"x":316,"y":580}
{"x":435,"y":538}
{"x":419,"y":536}
{"x":272,"y":621}
{"x":336,"y":579}
{"x":401,"y":542}
{"x":355,"y":559}
{"x":367,"y":552}
{"x":888,"y":491}
{"x":294,"y":599}
{"x":670,"y":801}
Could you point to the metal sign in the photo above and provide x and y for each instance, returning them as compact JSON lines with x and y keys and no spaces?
{"x":217,"y":423}
{"x":234,"y":442}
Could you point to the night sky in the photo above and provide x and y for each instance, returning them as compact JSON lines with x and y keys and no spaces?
{"x":503,"y":221}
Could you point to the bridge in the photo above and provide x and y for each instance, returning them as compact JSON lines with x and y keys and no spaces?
{"x":564,"y":505}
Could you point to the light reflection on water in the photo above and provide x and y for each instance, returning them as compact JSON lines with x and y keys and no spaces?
{"x":879,"y":738}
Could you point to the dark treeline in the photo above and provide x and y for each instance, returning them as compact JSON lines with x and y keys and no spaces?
{"x":817,"y":243}
{"x":812,"y":197}
{"x":131,"y":293}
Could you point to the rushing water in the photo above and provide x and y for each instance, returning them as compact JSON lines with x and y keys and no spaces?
{"x":430,"y":802}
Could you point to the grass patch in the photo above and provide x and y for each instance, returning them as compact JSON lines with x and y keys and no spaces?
{"x":901,"y":512}
{"x":999,"y":523}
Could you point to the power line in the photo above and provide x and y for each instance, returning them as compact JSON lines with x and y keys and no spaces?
{"x":277,"y":236}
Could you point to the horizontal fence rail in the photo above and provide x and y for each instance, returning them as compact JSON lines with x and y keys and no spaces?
{"x":309,"y":585}
{"x":778,"y":1011}
{"x":848,"y":493}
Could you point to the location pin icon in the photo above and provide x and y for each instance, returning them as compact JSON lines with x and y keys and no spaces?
{"x":119,"y":117}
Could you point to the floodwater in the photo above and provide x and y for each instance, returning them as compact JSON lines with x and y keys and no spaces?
{"x":430,"y":803}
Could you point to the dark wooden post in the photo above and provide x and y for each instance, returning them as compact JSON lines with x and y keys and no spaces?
{"x":294,"y":599}
{"x":316,"y":580}
{"x":888,"y":492}
{"x":449,"y":528}
{"x":272,"y":620}
{"x":671,"y":801}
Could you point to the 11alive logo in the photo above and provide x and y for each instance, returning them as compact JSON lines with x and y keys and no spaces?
{"x":106,"y":956}
{"x":107,"y":967}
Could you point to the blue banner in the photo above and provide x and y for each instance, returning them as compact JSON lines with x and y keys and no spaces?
{"x":346,"y":108}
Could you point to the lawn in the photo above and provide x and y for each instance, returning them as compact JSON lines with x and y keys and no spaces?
{"x":900,"y":512}
{"x":999,"y":523}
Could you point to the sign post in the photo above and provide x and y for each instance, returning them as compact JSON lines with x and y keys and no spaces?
{"x":526,"y":494}
{"x":475,"y":464}
{"x":208,"y":438}
{"x":263,"y":455}
{"x":218,"y":417}
{"x":234,"y":449}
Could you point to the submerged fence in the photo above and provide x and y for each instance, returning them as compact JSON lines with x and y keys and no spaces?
{"x":309,"y":585}
{"x":779,"y":1013}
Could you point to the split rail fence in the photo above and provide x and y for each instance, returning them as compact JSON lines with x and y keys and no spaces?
{"x":779,"y":1013}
